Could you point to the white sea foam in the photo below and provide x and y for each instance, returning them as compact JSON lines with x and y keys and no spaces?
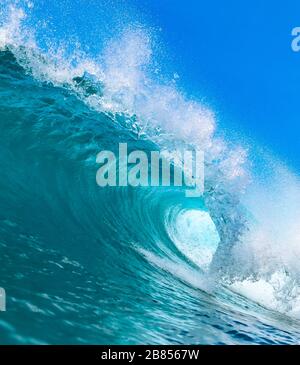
{"x":130,"y":85}
{"x":266,"y":260}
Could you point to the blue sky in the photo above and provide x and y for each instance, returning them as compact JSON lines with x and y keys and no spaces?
{"x":238,"y":54}
{"x":234,"y":54}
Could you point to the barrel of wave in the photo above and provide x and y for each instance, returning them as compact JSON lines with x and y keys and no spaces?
{"x":195,"y":235}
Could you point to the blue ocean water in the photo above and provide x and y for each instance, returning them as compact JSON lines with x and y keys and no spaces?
{"x":86,"y":265}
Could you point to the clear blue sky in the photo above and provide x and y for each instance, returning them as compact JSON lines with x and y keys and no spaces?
{"x":237,"y":54}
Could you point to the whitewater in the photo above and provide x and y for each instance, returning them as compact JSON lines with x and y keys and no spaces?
{"x":124,"y":265}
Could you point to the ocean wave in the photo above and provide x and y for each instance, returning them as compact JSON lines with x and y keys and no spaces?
{"x":133,"y":257}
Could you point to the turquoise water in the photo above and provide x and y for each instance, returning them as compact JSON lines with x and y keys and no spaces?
{"x":88,"y":265}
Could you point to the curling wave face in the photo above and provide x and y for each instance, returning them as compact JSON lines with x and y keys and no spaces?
{"x":132,"y":265}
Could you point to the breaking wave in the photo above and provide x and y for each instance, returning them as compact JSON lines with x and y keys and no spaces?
{"x":132,"y":265}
